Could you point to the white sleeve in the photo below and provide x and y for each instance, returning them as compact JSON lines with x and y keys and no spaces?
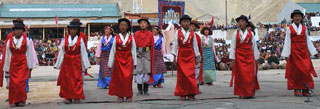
{"x":84,"y":56}
{"x":29,"y":55}
{"x":112,"y":53}
{"x":134,"y":51}
{"x":233,"y":46}
{"x":311,"y":48}
{"x":60,"y":55}
{"x":7,"y":60}
{"x":195,"y":46}
{"x":174,"y":50}
{"x":255,"y":48}
{"x":287,"y":44}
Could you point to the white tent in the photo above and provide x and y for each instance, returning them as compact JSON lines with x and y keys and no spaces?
{"x":288,"y":9}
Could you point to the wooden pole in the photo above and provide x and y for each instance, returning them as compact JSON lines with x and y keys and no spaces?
{"x":226,"y":12}
{"x":43,"y":33}
{"x":0,"y":34}
{"x":88,"y":30}
{"x":64,"y":32}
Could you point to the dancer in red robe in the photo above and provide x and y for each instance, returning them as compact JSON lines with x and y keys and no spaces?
{"x":244,"y":52}
{"x":18,"y":61}
{"x":298,"y":47}
{"x":122,"y":60}
{"x":72,"y":61}
{"x":186,"y":49}
{"x":6,"y":74}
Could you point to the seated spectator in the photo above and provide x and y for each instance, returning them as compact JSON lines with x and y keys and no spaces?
{"x":273,"y":61}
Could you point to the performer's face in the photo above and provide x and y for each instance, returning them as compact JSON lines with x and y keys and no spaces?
{"x":242,"y":24}
{"x":73,"y":31}
{"x":18,"y":32}
{"x":155,"y":31}
{"x":185,"y":24}
{"x":206,"y":32}
{"x":108,"y":31}
{"x":297,"y":18}
{"x":123,"y":27}
{"x":143,"y":25}
{"x":193,"y":27}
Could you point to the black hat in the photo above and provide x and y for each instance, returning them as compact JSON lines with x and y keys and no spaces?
{"x":158,"y":28}
{"x":18,"y":24}
{"x":206,"y":28}
{"x":243,"y":18}
{"x":196,"y":24}
{"x":297,"y":11}
{"x":185,"y":17}
{"x":127,"y":21}
{"x":75,"y":23}
{"x":144,"y":19}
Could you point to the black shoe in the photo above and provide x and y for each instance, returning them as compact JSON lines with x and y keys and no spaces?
{"x":139,"y":89}
{"x":145,"y":89}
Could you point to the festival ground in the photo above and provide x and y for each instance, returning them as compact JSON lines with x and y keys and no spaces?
{"x":273,"y":94}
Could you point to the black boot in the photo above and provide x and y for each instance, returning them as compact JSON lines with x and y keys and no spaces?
{"x":140,"y":90}
{"x":145,"y":88}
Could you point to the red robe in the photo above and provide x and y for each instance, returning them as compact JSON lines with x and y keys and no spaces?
{"x":201,"y":64}
{"x":299,"y":69}
{"x":70,"y":76}
{"x":121,"y":79}
{"x":186,"y":77}
{"x":144,"y":38}
{"x":9,"y":36}
{"x":19,"y":72}
{"x":244,"y":71}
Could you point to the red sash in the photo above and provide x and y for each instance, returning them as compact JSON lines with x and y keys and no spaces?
{"x":201,"y":64}
{"x":9,"y":36}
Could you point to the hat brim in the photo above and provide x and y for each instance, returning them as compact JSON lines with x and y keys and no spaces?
{"x":74,"y":26}
{"x":144,"y":20}
{"x":125,"y":20}
{"x":292,"y":14}
{"x":242,"y":19}
{"x":14,"y":28}
{"x":195,"y":25}
{"x":181,"y":19}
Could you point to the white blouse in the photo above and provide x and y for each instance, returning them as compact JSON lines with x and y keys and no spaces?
{"x":29,"y":54}
{"x":287,"y":42}
{"x":186,"y":35}
{"x":124,"y":41}
{"x":83,"y":53}
{"x":243,"y":36}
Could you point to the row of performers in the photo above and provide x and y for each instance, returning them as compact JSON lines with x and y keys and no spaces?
{"x":141,"y":55}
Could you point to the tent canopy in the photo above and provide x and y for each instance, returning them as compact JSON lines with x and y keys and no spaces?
{"x":287,"y":10}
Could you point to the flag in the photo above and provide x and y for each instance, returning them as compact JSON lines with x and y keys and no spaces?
{"x":56,"y":19}
{"x":212,"y":20}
